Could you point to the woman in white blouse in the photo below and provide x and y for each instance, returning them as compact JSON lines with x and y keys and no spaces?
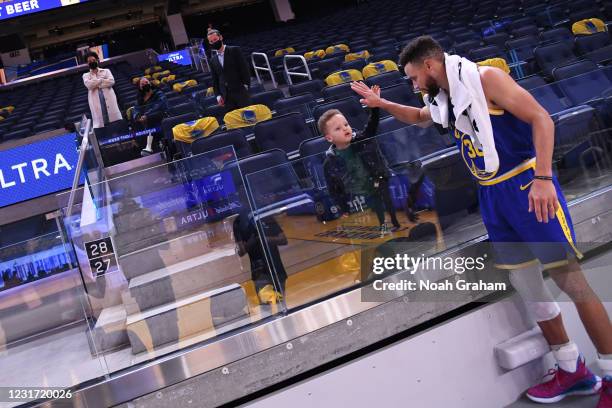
{"x":102,"y":99}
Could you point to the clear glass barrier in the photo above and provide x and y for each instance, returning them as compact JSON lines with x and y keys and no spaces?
{"x":161,"y":261}
{"x":330,"y":231}
{"x":43,"y":310}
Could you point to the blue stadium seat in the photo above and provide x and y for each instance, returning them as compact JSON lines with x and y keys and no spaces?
{"x":401,"y":93}
{"x":561,"y":34}
{"x":551,"y":98}
{"x":498,"y":39}
{"x":357,"y":64}
{"x":350,"y":107}
{"x":591,"y":85}
{"x":389,"y":124}
{"x":302,"y":103}
{"x":574,"y":69}
{"x":525,"y":31}
{"x":321,"y":69}
{"x":531,"y":82}
{"x":216,"y":111}
{"x":554,"y":55}
{"x":385,"y":79}
{"x":183,"y":108}
{"x":465,"y":47}
{"x":595,"y":47}
{"x":334,"y":92}
{"x":484,"y":53}
{"x":284,"y":132}
{"x":267,"y":98}
{"x":235,"y":138}
{"x":168,"y":123}
{"x":16,"y":134}
{"x":313,"y":146}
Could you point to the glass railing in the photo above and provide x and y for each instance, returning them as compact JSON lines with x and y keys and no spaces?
{"x":165,"y":260}
{"x":45,"y":333}
{"x":334,"y":221}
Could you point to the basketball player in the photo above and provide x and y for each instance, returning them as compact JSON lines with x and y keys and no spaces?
{"x":521,"y":200}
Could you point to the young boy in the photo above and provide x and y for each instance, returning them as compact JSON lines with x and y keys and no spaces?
{"x":355,"y":170}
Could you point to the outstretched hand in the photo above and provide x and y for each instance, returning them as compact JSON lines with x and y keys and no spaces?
{"x":370,"y":96}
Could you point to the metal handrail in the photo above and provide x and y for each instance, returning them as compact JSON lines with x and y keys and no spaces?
{"x":267,"y":68}
{"x":290,"y":71}
{"x":79,"y":167}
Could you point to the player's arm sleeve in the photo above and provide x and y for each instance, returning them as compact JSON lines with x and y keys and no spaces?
{"x":372,"y":125}
{"x":334,"y":186}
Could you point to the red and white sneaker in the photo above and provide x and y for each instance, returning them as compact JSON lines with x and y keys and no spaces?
{"x":605,"y":400}
{"x":563,"y":383}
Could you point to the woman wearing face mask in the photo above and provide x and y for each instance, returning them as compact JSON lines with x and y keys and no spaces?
{"x":151,"y":108}
{"x":102,"y":100}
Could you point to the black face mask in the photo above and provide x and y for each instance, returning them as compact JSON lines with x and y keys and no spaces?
{"x":146,"y":88}
{"x":217,"y":45}
{"x":93,"y":64}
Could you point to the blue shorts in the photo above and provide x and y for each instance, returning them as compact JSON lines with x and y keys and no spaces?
{"x":518,"y":238}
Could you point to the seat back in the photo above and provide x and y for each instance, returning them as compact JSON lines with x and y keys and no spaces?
{"x":490,"y":51}
{"x":335,"y":92}
{"x":561,"y":34}
{"x":531,"y":82}
{"x":589,"y":43}
{"x":246,"y":117}
{"x":574,"y":69}
{"x":284,"y":132}
{"x":551,"y":56}
{"x":233,"y":138}
{"x":169,"y":123}
{"x":313,"y":86}
{"x":591,"y":85}
{"x":384,"y":80}
{"x":267,"y":98}
{"x":298,"y":103}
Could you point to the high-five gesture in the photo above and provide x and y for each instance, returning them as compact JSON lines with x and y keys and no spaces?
{"x":370,"y":96}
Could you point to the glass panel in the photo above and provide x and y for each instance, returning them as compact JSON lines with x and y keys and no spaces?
{"x":330,"y":230}
{"x":326,"y":239}
{"x":44,"y":330}
{"x":162,"y":260}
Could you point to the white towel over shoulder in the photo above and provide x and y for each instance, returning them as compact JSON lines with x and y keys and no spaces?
{"x":467,"y":96}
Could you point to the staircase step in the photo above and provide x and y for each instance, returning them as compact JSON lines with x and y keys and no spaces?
{"x":214,"y":269}
{"x":174,"y":322}
{"x":110,"y":333}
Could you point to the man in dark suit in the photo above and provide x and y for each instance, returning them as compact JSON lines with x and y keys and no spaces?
{"x":230,"y":73}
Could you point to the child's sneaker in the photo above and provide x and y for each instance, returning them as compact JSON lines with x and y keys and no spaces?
{"x":605,"y":400}
{"x":563,"y":383}
{"x":267,"y":295}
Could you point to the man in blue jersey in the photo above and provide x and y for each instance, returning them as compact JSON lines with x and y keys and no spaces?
{"x":521,"y":201}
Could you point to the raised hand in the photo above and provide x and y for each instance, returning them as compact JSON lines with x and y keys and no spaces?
{"x":370,"y":97}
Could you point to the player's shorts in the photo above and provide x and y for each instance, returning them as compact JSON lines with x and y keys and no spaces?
{"x":518,"y":238}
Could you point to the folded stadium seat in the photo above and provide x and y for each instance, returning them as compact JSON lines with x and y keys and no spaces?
{"x":593,"y":87}
{"x":389,"y":124}
{"x":284,"y":132}
{"x":235,"y":138}
{"x":574,"y":69}
{"x":313,"y":86}
{"x":466,"y":36}
{"x":498,"y":39}
{"x":465,"y":47}
{"x":16,"y":134}
{"x":552,"y":98}
{"x":358,"y":64}
{"x":335,"y":92}
{"x":302,"y":103}
{"x":47,"y":126}
{"x":561,"y":34}
{"x":341,"y":77}
{"x":267,"y":98}
{"x":589,"y":13}
{"x":553,"y":16}
{"x":350,"y":108}
{"x":385,"y":80}
{"x":247,"y":117}
{"x":551,"y":56}
{"x":321,"y":69}
{"x":491,"y":51}
{"x":183,"y":108}
{"x":175,"y":99}
{"x":595,"y":47}
{"x":531,"y":82}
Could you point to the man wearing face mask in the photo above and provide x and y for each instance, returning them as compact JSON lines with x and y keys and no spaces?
{"x":230,"y":73}
{"x":102,"y":99}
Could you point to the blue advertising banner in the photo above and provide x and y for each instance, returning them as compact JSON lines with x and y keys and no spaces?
{"x":37,"y":169}
{"x":18,"y":8}
{"x":181,"y":57}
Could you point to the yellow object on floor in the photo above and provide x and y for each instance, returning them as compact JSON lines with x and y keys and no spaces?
{"x":268,"y":295}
